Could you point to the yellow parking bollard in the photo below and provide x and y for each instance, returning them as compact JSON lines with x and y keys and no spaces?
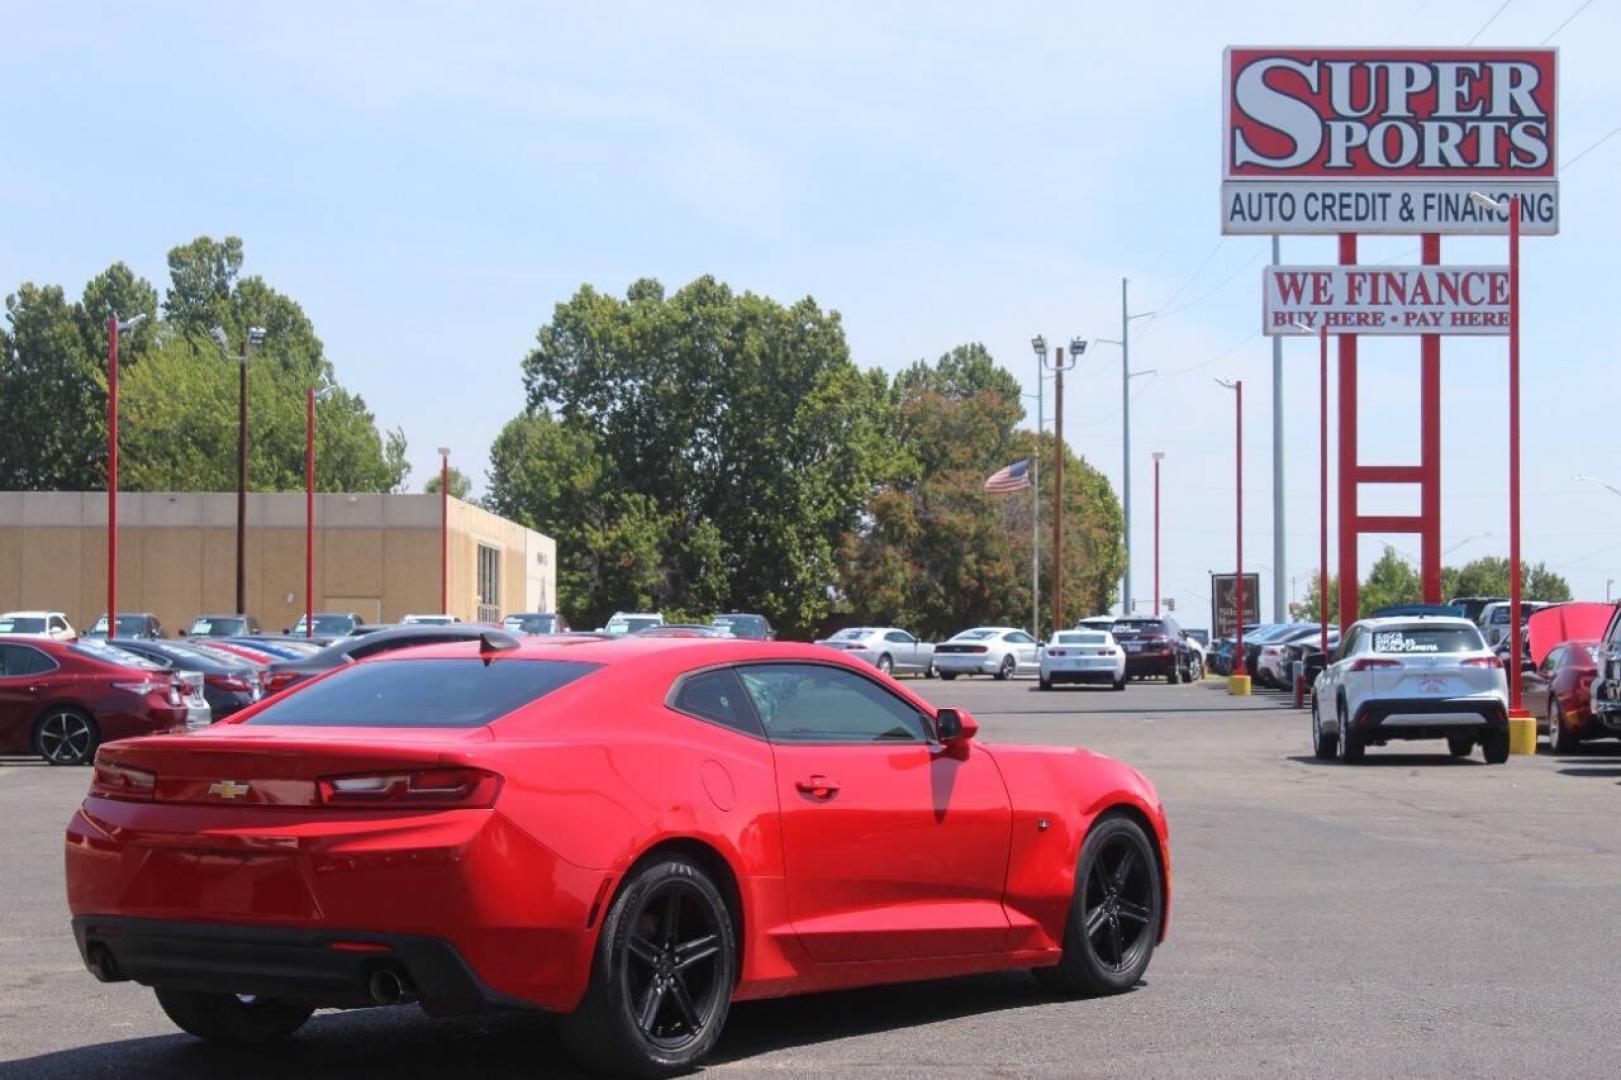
{"x":1239,"y":686}
{"x":1522,"y":733}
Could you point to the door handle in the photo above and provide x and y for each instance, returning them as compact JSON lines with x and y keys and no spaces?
{"x":817,"y":787}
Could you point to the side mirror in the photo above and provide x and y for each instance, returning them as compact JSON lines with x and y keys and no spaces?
{"x":955,"y":727}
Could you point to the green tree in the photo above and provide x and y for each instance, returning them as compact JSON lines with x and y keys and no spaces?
{"x":1307,"y":609}
{"x":1391,"y":580}
{"x":1488,"y":576}
{"x":935,"y":552}
{"x":460,"y":484}
{"x":53,"y":397}
{"x":731,"y":443}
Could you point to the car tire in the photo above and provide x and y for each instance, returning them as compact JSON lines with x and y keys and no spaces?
{"x":1120,"y":683}
{"x":886,"y":665}
{"x":1560,"y":738}
{"x":657,"y":999}
{"x":1009,"y":666}
{"x":233,"y":1018}
{"x":947,"y":676}
{"x":1347,"y":746}
{"x":64,"y":736}
{"x":1460,"y":746}
{"x":1044,"y":683}
{"x":1322,"y":746}
{"x":1195,"y":670}
{"x":1115,"y":912}
{"x":1494,"y":745}
{"x":1174,"y":676}
{"x":929,"y":672}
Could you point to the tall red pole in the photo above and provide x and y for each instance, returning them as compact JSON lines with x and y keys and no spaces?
{"x":1322,"y":481}
{"x":1348,"y":458}
{"x":444,"y":531}
{"x":309,"y":512}
{"x":1156,"y":534}
{"x":1514,"y":703}
{"x":1238,"y":662}
{"x":1058,"y":490}
{"x":112,"y":477}
{"x":1430,"y":439}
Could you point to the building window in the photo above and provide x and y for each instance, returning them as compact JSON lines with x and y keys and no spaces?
{"x":489,"y":583}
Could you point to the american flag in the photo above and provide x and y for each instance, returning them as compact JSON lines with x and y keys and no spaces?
{"x":1016,"y":477}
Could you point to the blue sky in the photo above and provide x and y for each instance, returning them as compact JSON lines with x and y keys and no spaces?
{"x":429,"y":180}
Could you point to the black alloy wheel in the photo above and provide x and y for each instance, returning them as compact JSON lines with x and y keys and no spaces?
{"x":1009,"y":665}
{"x":1115,"y":915}
{"x":662,"y":979}
{"x":66,"y":737}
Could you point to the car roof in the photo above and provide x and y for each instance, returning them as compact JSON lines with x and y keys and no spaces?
{"x":29,"y":614}
{"x":650,"y":653}
{"x":1416,"y":620}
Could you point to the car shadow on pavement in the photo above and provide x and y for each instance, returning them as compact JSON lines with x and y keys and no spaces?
{"x":1375,"y":759}
{"x":394,"y":1042}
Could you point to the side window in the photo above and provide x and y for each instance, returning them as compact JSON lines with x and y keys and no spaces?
{"x":1551,"y":662}
{"x":58,"y":623}
{"x":1019,"y":637}
{"x":899,"y":637}
{"x":812,"y":703}
{"x":717,"y":696}
{"x":17,"y":661}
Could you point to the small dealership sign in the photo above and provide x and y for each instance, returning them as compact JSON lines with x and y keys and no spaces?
{"x":1224,"y":603}
{"x":1469,"y":300}
{"x":1387,"y":140}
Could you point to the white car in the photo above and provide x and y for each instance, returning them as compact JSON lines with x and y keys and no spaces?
{"x":1002,"y":651}
{"x":1083,"y":656}
{"x":1096,"y":622}
{"x":40,"y":624}
{"x":887,"y":648}
{"x":1272,"y":665}
{"x":1411,"y":678}
{"x":430,"y":620}
{"x":628,"y":622}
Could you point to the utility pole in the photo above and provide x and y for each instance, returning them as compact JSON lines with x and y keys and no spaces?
{"x":256,"y":336}
{"x":1278,"y":544}
{"x":1125,"y":440}
{"x":1039,"y":345}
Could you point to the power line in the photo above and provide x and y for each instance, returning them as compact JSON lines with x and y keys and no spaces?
{"x":1567,"y":22}
{"x":1596,"y":144}
{"x":1489,"y":21}
{"x":1223,"y":283}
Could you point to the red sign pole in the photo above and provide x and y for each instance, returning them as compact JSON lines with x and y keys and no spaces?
{"x":1430,"y":447}
{"x":1322,"y":481}
{"x":309,"y":512}
{"x":1515,"y":704}
{"x":1348,"y":460}
{"x":1238,"y":653}
{"x":112,"y":477}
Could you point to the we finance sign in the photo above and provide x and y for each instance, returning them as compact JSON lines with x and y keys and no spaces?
{"x":1468,"y":300}
{"x":1323,"y":141}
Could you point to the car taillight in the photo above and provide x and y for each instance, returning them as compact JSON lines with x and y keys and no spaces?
{"x":1055,"y":652}
{"x":1368,"y":663}
{"x":1483,"y":661}
{"x":1105,"y":652}
{"x":239,"y":683}
{"x":113,"y":781}
{"x":279,"y":680}
{"x":977,"y":648}
{"x":429,"y":787}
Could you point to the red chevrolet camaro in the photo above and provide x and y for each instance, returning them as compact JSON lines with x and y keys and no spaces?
{"x":633,"y":834}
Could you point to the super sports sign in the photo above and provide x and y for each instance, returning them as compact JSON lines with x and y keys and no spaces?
{"x":1387,"y":140}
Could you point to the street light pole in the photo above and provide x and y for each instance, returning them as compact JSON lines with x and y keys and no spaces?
{"x":1322,"y":476}
{"x":1239,"y":682}
{"x":256,"y":337}
{"x":1058,"y":488}
{"x":1038,"y":344}
{"x":1126,"y":375}
{"x":113,"y":328}
{"x":1159,"y":456}
{"x":444,"y":530}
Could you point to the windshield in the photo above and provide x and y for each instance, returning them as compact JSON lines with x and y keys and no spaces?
{"x":422,"y":693}
{"x":327,"y":624}
{"x":19,"y":624}
{"x":854,"y":633}
{"x":1080,"y":639}
{"x":531,"y":624}
{"x":128,"y":625}
{"x":624,"y":625}
{"x":217,"y":626}
{"x":1421,"y":640}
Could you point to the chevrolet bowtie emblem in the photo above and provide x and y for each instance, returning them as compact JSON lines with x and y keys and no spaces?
{"x":227,"y":789}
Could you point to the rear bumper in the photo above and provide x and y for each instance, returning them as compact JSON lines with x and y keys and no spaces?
{"x":1430,"y":718}
{"x":1080,"y":675}
{"x":1150,"y":663}
{"x":966,"y":663}
{"x":322,"y":967}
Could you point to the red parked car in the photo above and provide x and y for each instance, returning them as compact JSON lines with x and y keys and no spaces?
{"x":1559,"y":692}
{"x":631,"y":833}
{"x":61,"y":700}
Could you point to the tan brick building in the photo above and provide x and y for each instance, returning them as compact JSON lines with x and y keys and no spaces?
{"x":377,"y":555}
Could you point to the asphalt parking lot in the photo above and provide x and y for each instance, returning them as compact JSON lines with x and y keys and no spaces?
{"x":1414,"y":916}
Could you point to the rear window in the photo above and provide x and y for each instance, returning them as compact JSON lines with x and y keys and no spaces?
{"x":975,"y":635}
{"x":1420,"y":640}
{"x":531,"y":624}
{"x":422,"y":693}
{"x":1080,"y":639}
{"x":854,"y":633}
{"x":1146,"y":626}
{"x":111,"y":654}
